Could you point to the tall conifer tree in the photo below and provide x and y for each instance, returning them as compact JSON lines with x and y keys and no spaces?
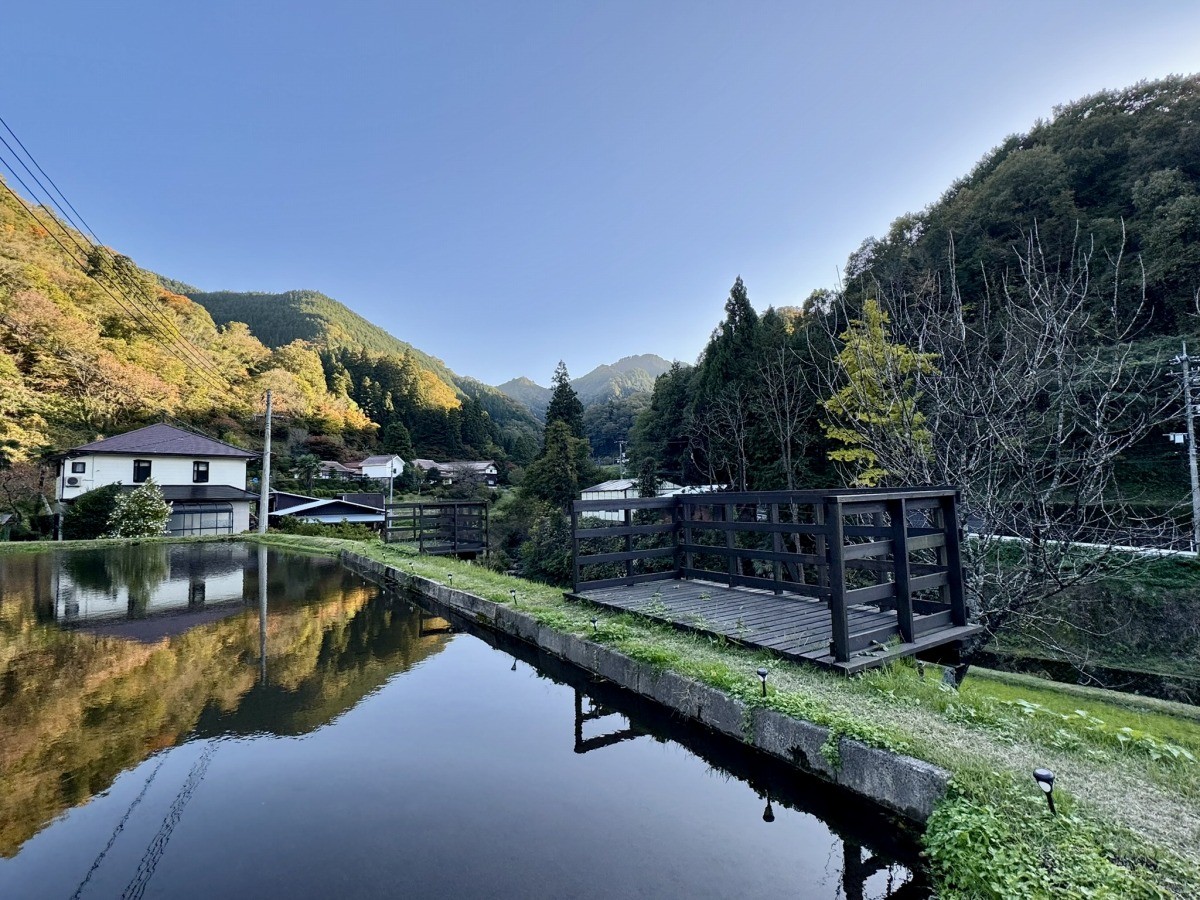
{"x":564,"y":403}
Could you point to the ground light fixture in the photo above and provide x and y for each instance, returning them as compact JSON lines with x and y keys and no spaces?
{"x":513,"y":593}
{"x":1045,"y":780}
{"x":762,"y":674}
{"x":450,"y":578}
{"x":594,"y":626}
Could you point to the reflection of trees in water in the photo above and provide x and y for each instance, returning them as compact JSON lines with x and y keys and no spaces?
{"x":140,"y":569}
{"x":77,"y":710}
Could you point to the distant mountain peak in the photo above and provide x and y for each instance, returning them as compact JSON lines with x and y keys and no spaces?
{"x":623,"y":378}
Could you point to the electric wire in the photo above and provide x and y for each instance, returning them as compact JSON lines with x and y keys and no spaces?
{"x":172,"y":332}
{"x":130,"y":310}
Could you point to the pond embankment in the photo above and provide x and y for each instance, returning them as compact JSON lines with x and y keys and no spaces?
{"x":897,"y":782}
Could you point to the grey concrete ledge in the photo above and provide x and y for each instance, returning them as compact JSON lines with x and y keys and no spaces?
{"x":899,"y":783}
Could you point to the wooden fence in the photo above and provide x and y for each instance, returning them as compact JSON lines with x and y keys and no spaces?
{"x":443,"y":528}
{"x":891,"y":549}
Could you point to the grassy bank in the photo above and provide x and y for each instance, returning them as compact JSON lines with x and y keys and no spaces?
{"x":1128,"y":783}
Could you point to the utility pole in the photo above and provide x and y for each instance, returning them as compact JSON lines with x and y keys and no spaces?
{"x":265,"y":495}
{"x":1189,"y":419}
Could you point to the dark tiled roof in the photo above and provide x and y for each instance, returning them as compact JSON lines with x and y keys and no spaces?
{"x":198,"y":493}
{"x":285,"y":500}
{"x":163,"y":440}
{"x":371,"y":499}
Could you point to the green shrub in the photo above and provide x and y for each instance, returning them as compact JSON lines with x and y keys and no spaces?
{"x":88,"y":515}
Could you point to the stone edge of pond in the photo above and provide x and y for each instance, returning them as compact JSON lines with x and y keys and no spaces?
{"x":899,"y":783}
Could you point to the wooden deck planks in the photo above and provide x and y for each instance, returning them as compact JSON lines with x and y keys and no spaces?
{"x":796,"y":627}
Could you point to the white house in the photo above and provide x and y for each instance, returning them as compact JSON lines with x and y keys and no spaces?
{"x":329,"y":510}
{"x":203,"y":479}
{"x":381,"y":467}
{"x":483,"y":471}
{"x":621,"y":489}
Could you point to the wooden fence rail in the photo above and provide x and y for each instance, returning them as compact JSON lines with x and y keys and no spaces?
{"x":894,"y":550}
{"x":453,"y":527}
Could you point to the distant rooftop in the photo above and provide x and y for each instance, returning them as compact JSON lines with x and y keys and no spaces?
{"x":163,"y":440}
{"x":625,"y":484}
{"x":378,"y":460}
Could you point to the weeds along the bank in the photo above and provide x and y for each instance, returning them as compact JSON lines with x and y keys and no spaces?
{"x":992,"y":835}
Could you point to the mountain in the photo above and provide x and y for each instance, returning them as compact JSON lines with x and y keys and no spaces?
{"x":331,"y":326}
{"x":528,"y":393}
{"x":627,"y":376}
{"x":1115,"y":176}
{"x":278,"y":319}
{"x":92,"y":345}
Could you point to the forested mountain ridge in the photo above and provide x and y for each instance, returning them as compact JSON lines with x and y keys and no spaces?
{"x":333,"y":328}
{"x":627,"y":376}
{"x":1116,"y":173}
{"x":91,"y":345}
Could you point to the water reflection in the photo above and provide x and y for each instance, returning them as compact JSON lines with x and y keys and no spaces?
{"x":107,"y":657}
{"x":327,"y":738}
{"x":878,"y":853}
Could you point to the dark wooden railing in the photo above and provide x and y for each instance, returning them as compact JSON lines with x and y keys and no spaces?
{"x":893,"y":549}
{"x":442,"y":528}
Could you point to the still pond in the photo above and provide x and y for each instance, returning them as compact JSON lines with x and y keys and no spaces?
{"x":220,"y":720}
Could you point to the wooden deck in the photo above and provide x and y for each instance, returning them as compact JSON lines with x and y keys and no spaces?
{"x":847,"y":579}
{"x":794,"y":627}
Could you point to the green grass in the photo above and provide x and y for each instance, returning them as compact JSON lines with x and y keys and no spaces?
{"x":1128,"y":783}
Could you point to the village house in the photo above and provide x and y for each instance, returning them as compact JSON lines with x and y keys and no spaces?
{"x":203,"y":479}
{"x":621,"y":489}
{"x":331,"y":468}
{"x":381,"y":468}
{"x":363,"y":509}
{"x":482,"y":471}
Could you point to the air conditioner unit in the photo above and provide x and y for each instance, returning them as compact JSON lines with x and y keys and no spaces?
{"x":72,"y":481}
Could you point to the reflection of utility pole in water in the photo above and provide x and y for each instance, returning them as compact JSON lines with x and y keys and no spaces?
{"x":262,"y":615}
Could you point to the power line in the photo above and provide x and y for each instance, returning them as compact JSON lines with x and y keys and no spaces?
{"x":177,"y":338}
{"x":88,"y":228}
{"x":130,"y":310}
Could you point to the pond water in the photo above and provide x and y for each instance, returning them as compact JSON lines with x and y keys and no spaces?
{"x":218,"y":720}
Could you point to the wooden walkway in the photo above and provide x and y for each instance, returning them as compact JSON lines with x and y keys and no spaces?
{"x":847,"y":579}
{"x":794,"y":627}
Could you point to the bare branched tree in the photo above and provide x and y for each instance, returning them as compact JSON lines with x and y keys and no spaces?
{"x":1034,"y":394}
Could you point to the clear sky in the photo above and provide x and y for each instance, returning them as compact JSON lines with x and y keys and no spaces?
{"x":504,"y":184}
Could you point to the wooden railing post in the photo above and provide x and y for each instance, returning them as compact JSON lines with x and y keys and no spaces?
{"x":688,"y":559}
{"x":729,"y":540}
{"x":953,"y":560}
{"x":629,"y":544}
{"x":904,"y":603}
{"x":677,"y":535}
{"x":574,"y":547}
{"x":821,"y":545}
{"x":777,"y":545}
{"x":839,"y":624}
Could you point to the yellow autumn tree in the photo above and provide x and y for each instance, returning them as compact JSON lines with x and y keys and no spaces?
{"x":875,"y":416}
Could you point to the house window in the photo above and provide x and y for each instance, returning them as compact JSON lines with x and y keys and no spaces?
{"x":78,"y":468}
{"x":206,"y":518}
{"x":199,"y":471}
{"x":141,"y":470}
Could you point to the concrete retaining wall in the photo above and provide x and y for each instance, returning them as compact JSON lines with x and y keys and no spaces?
{"x":902,"y":784}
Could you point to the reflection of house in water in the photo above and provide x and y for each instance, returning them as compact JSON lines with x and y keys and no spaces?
{"x":150,"y":591}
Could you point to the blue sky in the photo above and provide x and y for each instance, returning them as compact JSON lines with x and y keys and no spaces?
{"x":508,"y":184}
